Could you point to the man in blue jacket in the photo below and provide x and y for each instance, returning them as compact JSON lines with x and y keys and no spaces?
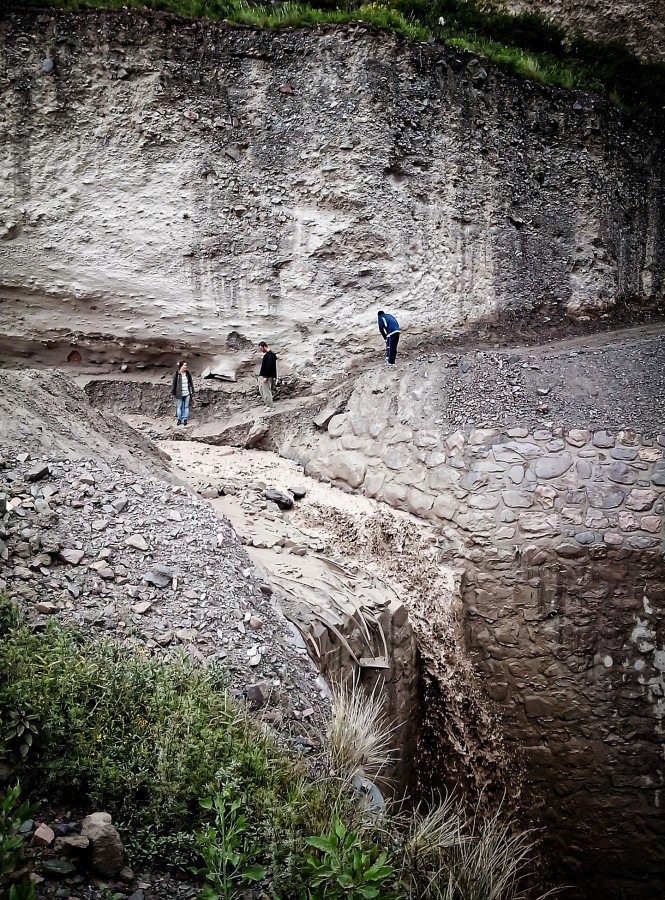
{"x":389,"y":328}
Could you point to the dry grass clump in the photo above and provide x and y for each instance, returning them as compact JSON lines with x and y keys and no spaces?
{"x":359,"y":738}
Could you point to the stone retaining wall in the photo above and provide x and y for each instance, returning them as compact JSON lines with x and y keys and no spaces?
{"x":560,"y":533}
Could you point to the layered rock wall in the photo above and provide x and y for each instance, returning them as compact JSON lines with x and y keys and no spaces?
{"x":165,"y":183}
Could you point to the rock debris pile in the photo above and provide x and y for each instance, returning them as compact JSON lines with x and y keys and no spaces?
{"x":148,"y":565}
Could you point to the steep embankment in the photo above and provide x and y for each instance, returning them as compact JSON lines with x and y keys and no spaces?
{"x":641,"y":26}
{"x":166,"y":183}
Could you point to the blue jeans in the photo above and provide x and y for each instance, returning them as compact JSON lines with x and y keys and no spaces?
{"x":182,"y":408}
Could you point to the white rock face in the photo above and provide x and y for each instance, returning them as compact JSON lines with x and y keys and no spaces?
{"x":166,"y":184}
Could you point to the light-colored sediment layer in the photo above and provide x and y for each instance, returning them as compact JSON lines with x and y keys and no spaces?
{"x":167,"y":184}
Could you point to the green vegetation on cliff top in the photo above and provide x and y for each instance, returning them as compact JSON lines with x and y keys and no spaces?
{"x":526,"y":44}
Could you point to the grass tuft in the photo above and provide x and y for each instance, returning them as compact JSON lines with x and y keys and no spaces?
{"x":359,"y":740}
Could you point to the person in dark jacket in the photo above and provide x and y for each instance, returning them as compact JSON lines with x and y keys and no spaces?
{"x":182,"y":388}
{"x":268,"y":373}
{"x":389,"y":328}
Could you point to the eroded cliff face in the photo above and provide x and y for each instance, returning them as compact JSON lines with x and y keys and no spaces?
{"x":640,"y":26}
{"x":166,"y":183}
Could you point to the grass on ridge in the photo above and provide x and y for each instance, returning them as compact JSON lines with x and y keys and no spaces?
{"x":527,"y":44}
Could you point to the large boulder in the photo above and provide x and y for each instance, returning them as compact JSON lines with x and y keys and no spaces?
{"x":105,"y":845}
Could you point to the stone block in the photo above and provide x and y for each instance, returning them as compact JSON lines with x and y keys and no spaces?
{"x":537,"y":707}
{"x":578,"y":437}
{"x":572,"y":515}
{"x":373,"y":482}
{"x":398,"y":457}
{"x":351,"y":441}
{"x":507,"y":456}
{"x":620,"y":473}
{"x":496,"y":689}
{"x":435,"y":458}
{"x":71,"y":845}
{"x":652,"y":524}
{"x":627,"y":521}
{"x":603,"y":439}
{"x":455,"y":441}
{"x":568,"y":550}
{"x":517,"y":499}
{"x":445,"y":507}
{"x":349,"y":467}
{"x":419,"y":503}
{"x":553,"y":466}
{"x":595,"y":519}
{"x":516,"y":474}
{"x":545,"y":495}
{"x":604,"y":497}
{"x":337,"y":425}
{"x":623,"y":453}
{"x":483,"y":501}
{"x":413,"y":474}
{"x":638,"y":542}
{"x":584,"y":469}
{"x":106,"y":847}
{"x":427,"y":440}
{"x":443,"y":478}
{"x":539,"y":525}
{"x":641,"y":500}
{"x":524,"y":449}
{"x":473,"y":481}
{"x":43,"y":836}
{"x":392,"y":494}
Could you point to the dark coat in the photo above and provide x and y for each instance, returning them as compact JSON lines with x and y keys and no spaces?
{"x":176,"y":385}
{"x":268,"y":365}
{"x":388,"y":324}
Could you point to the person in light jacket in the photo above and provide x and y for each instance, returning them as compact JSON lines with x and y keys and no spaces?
{"x":182,"y":389}
{"x":389,"y":328}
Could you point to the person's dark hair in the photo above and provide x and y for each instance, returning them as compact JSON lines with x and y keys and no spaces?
{"x":381,"y":312}
{"x":263,"y":344}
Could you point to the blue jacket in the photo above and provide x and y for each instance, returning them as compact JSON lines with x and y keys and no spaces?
{"x":388,"y":324}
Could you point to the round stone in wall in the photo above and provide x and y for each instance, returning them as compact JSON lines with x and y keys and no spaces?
{"x":47,"y":65}
{"x":553,"y":466}
{"x":620,"y":473}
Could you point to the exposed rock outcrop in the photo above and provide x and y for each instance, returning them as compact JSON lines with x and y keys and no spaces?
{"x":641,"y":26}
{"x":171,"y":184}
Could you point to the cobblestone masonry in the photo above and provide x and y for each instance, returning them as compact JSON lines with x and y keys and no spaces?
{"x":560,"y":533}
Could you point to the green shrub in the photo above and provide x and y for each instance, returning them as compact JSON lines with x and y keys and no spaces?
{"x":141,"y":738}
{"x":146,"y":739}
{"x":13,"y":813}
{"x":227,"y":849}
{"x":344,"y":869}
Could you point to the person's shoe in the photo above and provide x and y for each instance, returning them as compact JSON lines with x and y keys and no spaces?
{"x":185,"y":423}
{"x":178,"y":423}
